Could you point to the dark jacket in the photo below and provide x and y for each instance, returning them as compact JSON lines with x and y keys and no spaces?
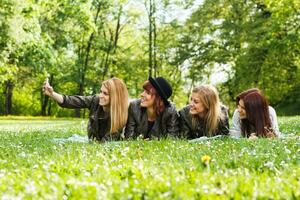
{"x":99,"y":121}
{"x":165,"y":125}
{"x":188,"y":132}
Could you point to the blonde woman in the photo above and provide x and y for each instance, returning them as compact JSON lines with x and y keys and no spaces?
{"x":204,"y":116}
{"x":108,"y":110}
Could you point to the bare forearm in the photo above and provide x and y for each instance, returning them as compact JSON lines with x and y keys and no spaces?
{"x":57,"y":97}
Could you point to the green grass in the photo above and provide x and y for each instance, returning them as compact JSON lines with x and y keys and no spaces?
{"x":34,"y":166}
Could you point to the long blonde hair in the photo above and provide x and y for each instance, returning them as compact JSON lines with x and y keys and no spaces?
{"x":209,"y":97}
{"x":118,"y":95}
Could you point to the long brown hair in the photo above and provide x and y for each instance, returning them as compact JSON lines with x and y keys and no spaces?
{"x":209,"y":97}
{"x":244,"y":93}
{"x":118,"y":95}
{"x":257,"y":115}
{"x":159,"y":105}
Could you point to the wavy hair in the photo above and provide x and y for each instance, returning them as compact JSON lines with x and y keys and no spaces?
{"x":257,"y":115}
{"x":159,"y":105}
{"x":118,"y":95}
{"x":244,"y":93}
{"x":209,"y":97}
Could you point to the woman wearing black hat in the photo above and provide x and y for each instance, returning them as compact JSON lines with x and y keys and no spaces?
{"x":152,"y":116}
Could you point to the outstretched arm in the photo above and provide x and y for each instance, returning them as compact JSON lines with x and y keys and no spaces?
{"x":48,"y":90}
{"x":65,"y":101}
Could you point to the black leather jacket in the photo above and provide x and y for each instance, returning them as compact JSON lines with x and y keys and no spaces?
{"x":99,"y":121}
{"x":165,"y":125}
{"x":186,"y":130}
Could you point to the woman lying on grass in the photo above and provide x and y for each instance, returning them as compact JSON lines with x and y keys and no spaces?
{"x":254,"y":117}
{"x":108,"y":110}
{"x":204,"y":116}
{"x":152,"y":116}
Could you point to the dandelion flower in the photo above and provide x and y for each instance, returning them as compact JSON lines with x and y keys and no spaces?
{"x":205,"y":159}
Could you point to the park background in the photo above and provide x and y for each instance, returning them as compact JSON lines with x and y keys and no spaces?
{"x":232,"y":44}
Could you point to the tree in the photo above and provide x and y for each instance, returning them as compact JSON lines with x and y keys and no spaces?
{"x":253,"y":40}
{"x":17,"y":30}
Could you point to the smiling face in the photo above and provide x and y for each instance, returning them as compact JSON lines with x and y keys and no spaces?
{"x":196,"y":105}
{"x":104,"y":96}
{"x":241,"y":109}
{"x":147,"y":99}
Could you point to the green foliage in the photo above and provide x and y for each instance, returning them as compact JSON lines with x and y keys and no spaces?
{"x":34,"y":165}
{"x":290,"y":105}
{"x":78,"y":44}
{"x":253,"y":42}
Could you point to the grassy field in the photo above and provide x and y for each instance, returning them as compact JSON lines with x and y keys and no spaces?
{"x":37,"y":163}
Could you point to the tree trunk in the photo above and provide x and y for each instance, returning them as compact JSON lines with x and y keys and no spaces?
{"x":150,"y":37}
{"x":86,"y":60}
{"x":45,"y":100}
{"x":8,"y":97}
{"x":118,"y":28}
{"x":154,"y":41}
{"x":106,"y":62}
{"x":113,"y":43}
{"x":49,"y":109}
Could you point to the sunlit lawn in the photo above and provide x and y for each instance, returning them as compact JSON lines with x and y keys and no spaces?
{"x":35,"y":164}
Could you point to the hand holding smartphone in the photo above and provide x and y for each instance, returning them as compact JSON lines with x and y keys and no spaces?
{"x":47,"y":89}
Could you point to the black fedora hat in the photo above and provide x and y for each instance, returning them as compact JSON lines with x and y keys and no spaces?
{"x":162,"y":87}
